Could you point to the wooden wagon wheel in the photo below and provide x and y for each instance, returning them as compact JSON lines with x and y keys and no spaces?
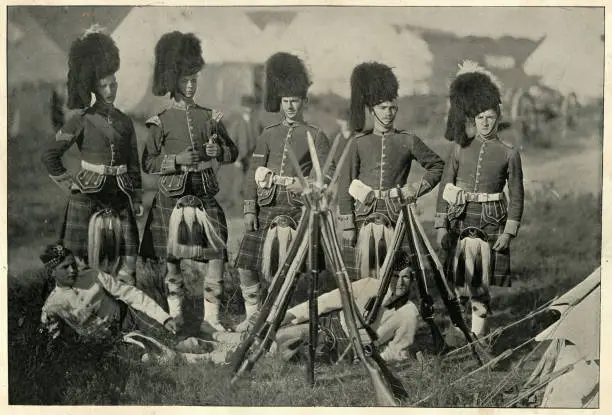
{"x":524,"y":117}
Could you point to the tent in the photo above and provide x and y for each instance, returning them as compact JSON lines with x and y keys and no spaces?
{"x":36,"y":66}
{"x":569,"y":368}
{"x":331,"y":42}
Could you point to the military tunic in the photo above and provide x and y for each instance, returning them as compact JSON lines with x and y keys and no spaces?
{"x":382,"y":161}
{"x":105,"y":137}
{"x":484,"y":166}
{"x":180,"y":126}
{"x":271,"y":151}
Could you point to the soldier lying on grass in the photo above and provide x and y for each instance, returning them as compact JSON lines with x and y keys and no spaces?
{"x":99,"y":307}
{"x":395,"y":328}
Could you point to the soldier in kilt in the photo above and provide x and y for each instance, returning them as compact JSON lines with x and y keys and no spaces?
{"x":379,"y":161}
{"x":471,"y":199}
{"x":99,"y":224}
{"x":272,"y":205}
{"x":185,"y":145}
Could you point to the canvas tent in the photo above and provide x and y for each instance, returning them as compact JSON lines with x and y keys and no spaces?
{"x":572,"y":358}
{"x":331,"y":43}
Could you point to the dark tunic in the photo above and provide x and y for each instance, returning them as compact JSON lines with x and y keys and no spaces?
{"x":271,"y":152}
{"x":104,"y":138}
{"x":383,"y":161}
{"x":171,"y":132}
{"x":484,"y":166}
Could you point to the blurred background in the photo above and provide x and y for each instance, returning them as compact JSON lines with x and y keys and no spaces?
{"x":549,"y":60}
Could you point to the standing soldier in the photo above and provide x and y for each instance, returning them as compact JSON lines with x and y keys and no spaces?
{"x":273,"y":206}
{"x":471,"y":201}
{"x":185,"y":143}
{"x":99,"y":222}
{"x":379,"y":161}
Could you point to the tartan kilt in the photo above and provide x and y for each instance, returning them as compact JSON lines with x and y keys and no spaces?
{"x":251,"y":248}
{"x":80,"y":208}
{"x":155,"y":237}
{"x":473,"y":217}
{"x":404,"y":257}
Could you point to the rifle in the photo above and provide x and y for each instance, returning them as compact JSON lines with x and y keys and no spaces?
{"x":449,"y":298}
{"x":426,"y":306}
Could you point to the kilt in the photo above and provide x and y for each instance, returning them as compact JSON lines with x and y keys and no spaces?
{"x":155,"y":237}
{"x":404,"y":256}
{"x":474,"y":216}
{"x":80,"y":208}
{"x":251,"y":248}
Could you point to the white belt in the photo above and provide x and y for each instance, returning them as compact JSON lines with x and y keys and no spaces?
{"x":283,"y":180}
{"x":198,"y":167}
{"x":104,"y":170}
{"x":483,"y":197}
{"x":393,"y":192}
{"x":457,"y":196}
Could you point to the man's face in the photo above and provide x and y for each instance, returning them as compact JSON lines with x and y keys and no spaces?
{"x":65,"y":274}
{"x":385,"y":112}
{"x":106,"y":90}
{"x":188,"y":85}
{"x":292,"y":107}
{"x":485,"y":122}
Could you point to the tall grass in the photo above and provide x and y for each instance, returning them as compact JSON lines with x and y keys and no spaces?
{"x":558,"y":246}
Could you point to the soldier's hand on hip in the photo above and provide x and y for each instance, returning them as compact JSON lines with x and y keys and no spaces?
{"x":443,"y":239}
{"x":503,"y":243}
{"x":250,"y":222}
{"x":187,"y":157}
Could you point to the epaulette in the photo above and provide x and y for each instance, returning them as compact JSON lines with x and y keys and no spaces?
{"x":362,"y":133}
{"x":154,"y":120}
{"x":314,"y":127}
{"x":272,"y":125}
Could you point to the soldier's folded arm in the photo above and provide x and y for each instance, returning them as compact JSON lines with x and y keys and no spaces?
{"x":133,"y":166}
{"x":431,"y":162}
{"x":350,"y":169}
{"x":153,"y":161}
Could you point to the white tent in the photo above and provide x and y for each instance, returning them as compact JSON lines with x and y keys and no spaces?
{"x":332,"y":42}
{"x":570,"y":366}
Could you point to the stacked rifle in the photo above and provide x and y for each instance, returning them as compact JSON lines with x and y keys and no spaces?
{"x":315,"y":231}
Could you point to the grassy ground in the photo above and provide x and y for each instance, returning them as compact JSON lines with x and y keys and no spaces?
{"x":559,"y":244}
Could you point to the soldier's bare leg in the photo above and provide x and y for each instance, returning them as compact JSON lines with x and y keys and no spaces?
{"x":127,"y":272}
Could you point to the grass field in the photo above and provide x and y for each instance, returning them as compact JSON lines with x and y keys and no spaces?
{"x":558,"y":246}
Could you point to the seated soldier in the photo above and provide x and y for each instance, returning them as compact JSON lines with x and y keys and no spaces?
{"x":395,"y":326}
{"x":93,"y":303}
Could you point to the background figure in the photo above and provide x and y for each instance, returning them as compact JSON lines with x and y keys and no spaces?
{"x":244,"y":130}
{"x":99,"y":221}
{"x":185,"y":143}
{"x":472,"y":208}
{"x":272,"y":205}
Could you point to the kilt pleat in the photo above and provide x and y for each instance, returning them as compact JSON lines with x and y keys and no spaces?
{"x":404,"y":257}
{"x":155,"y":237}
{"x":81,"y":207}
{"x":251,"y":248}
{"x":500,"y":261}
